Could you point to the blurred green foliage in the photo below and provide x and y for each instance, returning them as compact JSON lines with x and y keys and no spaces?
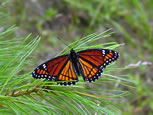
{"x":130,"y":20}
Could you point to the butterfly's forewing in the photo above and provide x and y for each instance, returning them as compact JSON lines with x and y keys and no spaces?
{"x":93,"y":61}
{"x":57,"y":69}
{"x":50,"y":69}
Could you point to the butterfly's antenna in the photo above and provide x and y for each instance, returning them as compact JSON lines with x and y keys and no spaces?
{"x":63,"y":42}
{"x":64,"y":50}
{"x":79,"y":39}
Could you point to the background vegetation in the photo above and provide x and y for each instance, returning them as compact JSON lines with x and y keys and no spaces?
{"x":126,"y":87}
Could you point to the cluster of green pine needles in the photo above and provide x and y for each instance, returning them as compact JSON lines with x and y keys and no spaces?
{"x":20,"y":93}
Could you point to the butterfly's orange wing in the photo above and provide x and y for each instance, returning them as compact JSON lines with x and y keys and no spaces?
{"x":68,"y":74}
{"x":57,"y":69}
{"x":93,"y":61}
{"x":90,"y":63}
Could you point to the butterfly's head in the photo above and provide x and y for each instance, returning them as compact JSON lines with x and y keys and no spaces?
{"x":72,"y":51}
{"x":72,"y":54}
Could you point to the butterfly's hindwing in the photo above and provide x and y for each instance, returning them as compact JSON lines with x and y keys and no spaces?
{"x":68,"y":75}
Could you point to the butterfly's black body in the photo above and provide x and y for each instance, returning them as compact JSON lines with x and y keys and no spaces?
{"x":88,"y":63}
{"x":74,"y":59}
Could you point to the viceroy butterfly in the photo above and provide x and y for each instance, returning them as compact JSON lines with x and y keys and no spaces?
{"x":88,"y":63}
